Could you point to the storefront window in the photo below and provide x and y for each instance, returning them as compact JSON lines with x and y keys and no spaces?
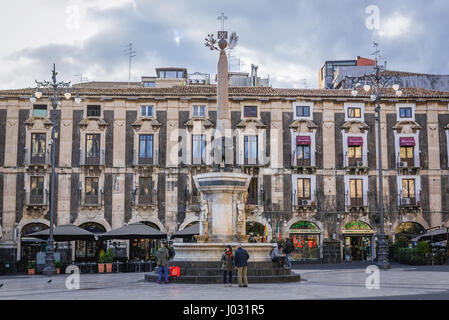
{"x":305,"y":237}
{"x":87,"y":251}
{"x":358,"y":241}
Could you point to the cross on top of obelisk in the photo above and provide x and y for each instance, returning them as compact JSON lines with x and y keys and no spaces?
{"x":222,"y":34}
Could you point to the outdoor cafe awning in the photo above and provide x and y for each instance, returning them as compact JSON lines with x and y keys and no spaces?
{"x":134,"y":231}
{"x":66,"y":232}
{"x":429,"y":235}
{"x":187,"y":232}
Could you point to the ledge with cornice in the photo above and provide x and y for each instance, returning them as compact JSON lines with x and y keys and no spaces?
{"x":33,"y":120}
{"x":246,"y":122}
{"x":303,"y":125}
{"x":85,"y":122}
{"x":355,"y":126}
{"x":151,"y":121}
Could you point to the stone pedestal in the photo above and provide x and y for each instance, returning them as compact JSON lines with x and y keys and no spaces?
{"x":258,"y":252}
{"x":222,"y":193}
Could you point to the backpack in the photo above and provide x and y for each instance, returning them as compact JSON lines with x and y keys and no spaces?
{"x":289,"y":248}
{"x":171,"y":253}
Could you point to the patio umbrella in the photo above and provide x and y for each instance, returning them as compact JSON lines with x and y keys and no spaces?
{"x":187,"y":232}
{"x":66,"y":232}
{"x":134,"y":231}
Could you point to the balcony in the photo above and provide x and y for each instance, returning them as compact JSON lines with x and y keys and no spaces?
{"x":194,"y":202}
{"x":35,"y":200}
{"x":146,"y":200}
{"x":407,"y":166}
{"x":407,"y":204}
{"x":145,"y":161}
{"x":92,"y":160}
{"x":300,"y":165}
{"x":304,"y":204}
{"x":37,"y":160}
{"x":93,"y":200}
{"x":355,"y":165}
{"x":356,"y":204}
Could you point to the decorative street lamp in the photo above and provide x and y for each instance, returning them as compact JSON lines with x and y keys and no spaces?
{"x":54,"y":91}
{"x":378,"y":85}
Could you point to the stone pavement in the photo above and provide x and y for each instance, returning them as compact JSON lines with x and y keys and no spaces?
{"x":320,"y":282}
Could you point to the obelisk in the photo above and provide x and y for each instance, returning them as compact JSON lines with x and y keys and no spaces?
{"x":223,"y":145}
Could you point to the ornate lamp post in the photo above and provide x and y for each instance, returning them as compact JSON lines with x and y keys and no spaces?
{"x":55,"y":91}
{"x":379,"y":85}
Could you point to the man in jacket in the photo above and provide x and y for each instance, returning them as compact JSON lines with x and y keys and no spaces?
{"x":162,"y":262}
{"x":241,"y":257}
{"x":277,"y":255}
{"x":288,"y":249}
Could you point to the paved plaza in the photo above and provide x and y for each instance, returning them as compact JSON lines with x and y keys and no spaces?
{"x":319,"y":282}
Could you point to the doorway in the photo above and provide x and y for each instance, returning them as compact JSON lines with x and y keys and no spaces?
{"x":358,"y":248}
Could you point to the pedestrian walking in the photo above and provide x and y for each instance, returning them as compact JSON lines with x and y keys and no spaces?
{"x":288,"y":249}
{"x":162,"y":262}
{"x":227,"y":263}
{"x":241,"y":262}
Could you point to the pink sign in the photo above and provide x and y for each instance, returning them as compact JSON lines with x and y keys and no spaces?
{"x":407,"y":141}
{"x":303,"y":140}
{"x":355,"y":141}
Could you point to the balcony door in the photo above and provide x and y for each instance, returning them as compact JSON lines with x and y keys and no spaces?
{"x":252,"y":191}
{"x":92,"y":149}
{"x":408,"y":191}
{"x":251,"y":150}
{"x":199,"y":149}
{"x":354,"y":155}
{"x":146,"y":149}
{"x":303,"y":155}
{"x":36,"y":190}
{"x":303,"y":190}
{"x":38,"y":148}
{"x":145,"y":192}
{"x":356,"y":192}
{"x":91,"y":196}
{"x":407,"y":155}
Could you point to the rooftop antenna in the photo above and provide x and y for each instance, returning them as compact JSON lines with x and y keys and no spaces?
{"x":304,"y":81}
{"x":82,"y":79}
{"x":376,"y":53}
{"x":131,"y":54}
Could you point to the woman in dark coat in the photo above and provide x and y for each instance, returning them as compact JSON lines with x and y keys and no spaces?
{"x":227,"y":263}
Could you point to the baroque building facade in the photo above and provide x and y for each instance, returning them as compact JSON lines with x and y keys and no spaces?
{"x":129,"y":155}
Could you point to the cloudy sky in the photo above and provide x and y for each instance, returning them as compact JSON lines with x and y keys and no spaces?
{"x":288,"y":39}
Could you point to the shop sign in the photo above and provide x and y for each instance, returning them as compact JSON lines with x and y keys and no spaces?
{"x":357,"y":227}
{"x":305,"y":225}
{"x":407,"y":141}
{"x":355,"y":141}
{"x":303,"y":140}
{"x":304,"y":231}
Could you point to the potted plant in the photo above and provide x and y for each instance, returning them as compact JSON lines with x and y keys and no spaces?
{"x":58,"y":266}
{"x":101,"y":261}
{"x":108,"y":258}
{"x":31,"y":267}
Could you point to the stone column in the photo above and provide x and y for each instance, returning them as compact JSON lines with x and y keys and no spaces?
{"x":329,"y":157}
{"x":433,"y":143}
{"x":118,"y":178}
{"x":65,"y":161}
{"x":10,"y":177}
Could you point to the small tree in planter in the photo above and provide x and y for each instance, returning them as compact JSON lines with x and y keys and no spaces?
{"x":31,"y":267}
{"x":101,"y":261}
{"x":58,"y":266}
{"x":108,"y":259}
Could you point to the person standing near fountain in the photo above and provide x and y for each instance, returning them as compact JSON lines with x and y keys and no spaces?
{"x":227,"y":263}
{"x":241,"y":262}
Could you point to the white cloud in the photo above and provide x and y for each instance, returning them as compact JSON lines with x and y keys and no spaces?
{"x":394,"y":26}
{"x":176,"y":37}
